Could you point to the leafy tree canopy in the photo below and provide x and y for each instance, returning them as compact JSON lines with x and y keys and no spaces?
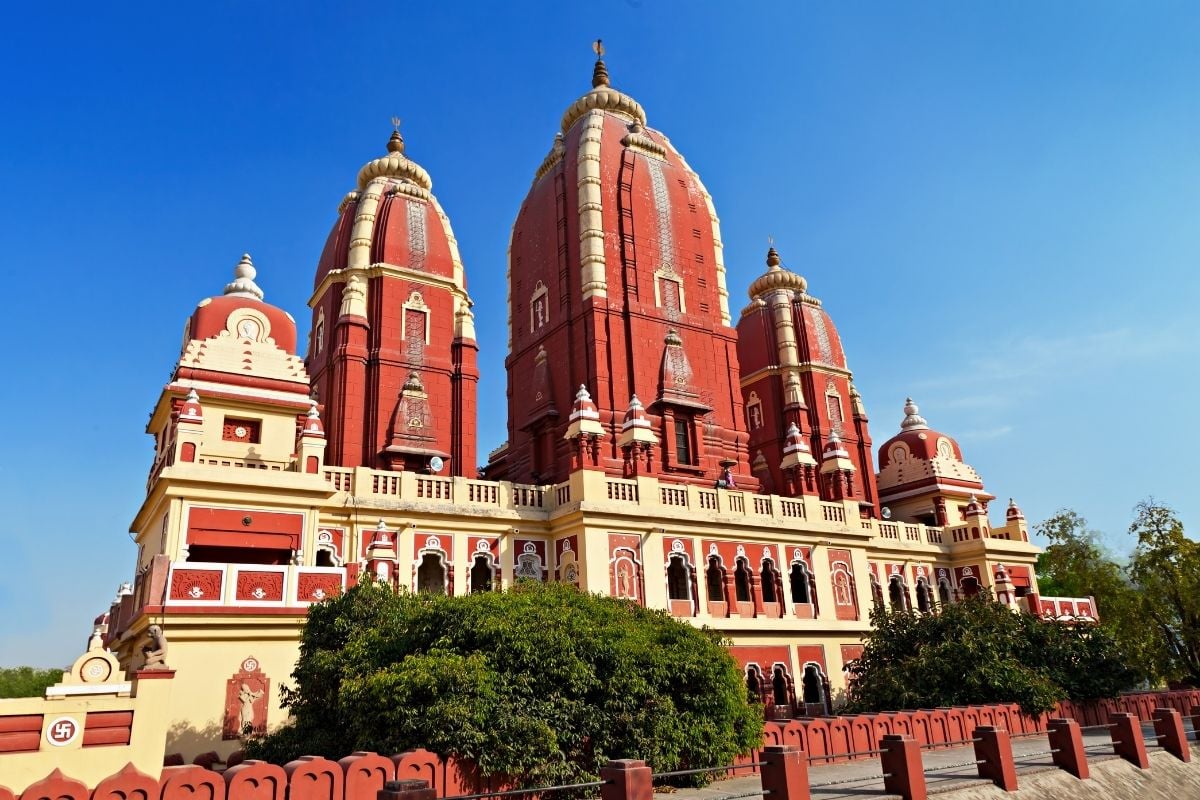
{"x":27,"y":681}
{"x":979,"y":651}
{"x":1075,"y":564}
{"x":543,"y":682}
{"x":1166,"y":571}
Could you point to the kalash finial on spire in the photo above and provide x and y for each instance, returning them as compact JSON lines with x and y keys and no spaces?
{"x":396,"y":143}
{"x":243,"y":284}
{"x":600,"y":71}
{"x":773,"y":261}
{"x":912,"y":417}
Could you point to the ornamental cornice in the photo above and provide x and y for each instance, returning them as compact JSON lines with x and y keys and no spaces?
{"x":641,"y":143}
{"x":603,"y":98}
{"x":394,"y":165}
{"x":776,"y":369}
{"x":385,"y":270}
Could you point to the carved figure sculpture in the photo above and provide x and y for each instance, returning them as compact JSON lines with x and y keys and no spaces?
{"x":156,"y":651}
{"x":248,"y":697}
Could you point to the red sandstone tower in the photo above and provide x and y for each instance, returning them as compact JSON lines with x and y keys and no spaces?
{"x":392,"y":352}
{"x":808,"y":427}
{"x":617,"y":284}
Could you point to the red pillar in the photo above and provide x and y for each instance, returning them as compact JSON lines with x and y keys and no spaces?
{"x":1067,"y":742}
{"x":1168,"y":726}
{"x":464,"y":383}
{"x":903,"y":771}
{"x":785,"y":773}
{"x":348,"y":403}
{"x":993,"y":748}
{"x":406,"y":790}
{"x":626,"y":779}
{"x":1126,"y":731}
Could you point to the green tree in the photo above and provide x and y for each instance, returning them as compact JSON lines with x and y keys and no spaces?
{"x":27,"y":681}
{"x":1166,"y":571}
{"x":543,"y":682}
{"x":979,"y":651}
{"x":1075,"y":564}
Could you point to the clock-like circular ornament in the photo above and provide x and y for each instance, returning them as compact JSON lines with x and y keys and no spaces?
{"x":95,"y":670}
{"x":240,"y":432}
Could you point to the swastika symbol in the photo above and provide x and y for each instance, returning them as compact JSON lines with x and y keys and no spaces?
{"x":62,"y":731}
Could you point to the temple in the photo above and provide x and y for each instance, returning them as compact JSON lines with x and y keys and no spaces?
{"x":659,"y":448}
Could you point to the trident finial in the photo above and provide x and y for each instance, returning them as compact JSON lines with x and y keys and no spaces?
{"x":396,"y":124}
{"x":770,"y":241}
{"x":599,"y":72}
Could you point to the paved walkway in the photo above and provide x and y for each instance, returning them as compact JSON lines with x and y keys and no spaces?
{"x":946,"y":769}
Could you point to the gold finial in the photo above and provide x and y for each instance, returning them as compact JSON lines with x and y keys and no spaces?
{"x":773,"y":260}
{"x":396,"y":143}
{"x":600,"y":72}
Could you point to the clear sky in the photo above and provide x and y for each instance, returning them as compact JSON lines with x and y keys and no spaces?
{"x":999,"y":204}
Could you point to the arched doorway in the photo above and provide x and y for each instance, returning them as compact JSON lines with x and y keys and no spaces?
{"x":431,"y":574}
{"x":482,"y":573}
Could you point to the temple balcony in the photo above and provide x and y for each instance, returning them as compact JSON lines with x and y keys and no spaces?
{"x":1070,"y":609}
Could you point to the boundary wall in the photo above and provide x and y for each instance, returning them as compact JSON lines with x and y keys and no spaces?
{"x":361,"y":775}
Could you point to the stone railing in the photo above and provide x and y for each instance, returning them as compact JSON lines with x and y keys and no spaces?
{"x":650,"y":496}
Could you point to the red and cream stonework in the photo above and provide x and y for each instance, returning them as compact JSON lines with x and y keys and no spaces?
{"x":656,"y":453}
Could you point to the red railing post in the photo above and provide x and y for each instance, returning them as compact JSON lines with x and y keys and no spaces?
{"x":903,"y":773}
{"x":993,"y":748}
{"x":1126,"y":731}
{"x":626,"y":779}
{"x":1067,"y":742}
{"x":785,"y":773}
{"x":1195,"y":715}
{"x":1168,"y":726}
{"x":406,"y":790}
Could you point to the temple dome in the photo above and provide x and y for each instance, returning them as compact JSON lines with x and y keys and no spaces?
{"x":918,"y":440}
{"x":392,"y":217}
{"x":241,"y":312}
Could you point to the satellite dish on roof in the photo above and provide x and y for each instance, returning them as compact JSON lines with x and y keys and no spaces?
{"x":886,"y":513}
{"x":436,"y":464}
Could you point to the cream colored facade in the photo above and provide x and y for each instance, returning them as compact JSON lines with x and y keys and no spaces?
{"x":90,"y":724}
{"x":211,"y":637}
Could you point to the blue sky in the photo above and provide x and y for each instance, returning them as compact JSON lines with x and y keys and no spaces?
{"x":997,"y":202}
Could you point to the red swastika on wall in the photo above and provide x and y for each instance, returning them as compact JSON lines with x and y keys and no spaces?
{"x":62,"y":731}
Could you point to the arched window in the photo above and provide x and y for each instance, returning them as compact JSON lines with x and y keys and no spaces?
{"x":679,"y":583}
{"x":970,"y":587}
{"x":924,"y":596}
{"x":431,"y":575}
{"x":741,"y":581}
{"x":714,"y":578}
{"x":801,"y":591}
{"x":481,"y":574}
{"x":897,"y":593}
{"x":754,"y":684}
{"x":876,"y":592}
{"x":768,"y":581}
{"x":779,"y":686}
{"x":944,"y":595}
{"x":812,"y":684}
{"x":325,"y":557}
